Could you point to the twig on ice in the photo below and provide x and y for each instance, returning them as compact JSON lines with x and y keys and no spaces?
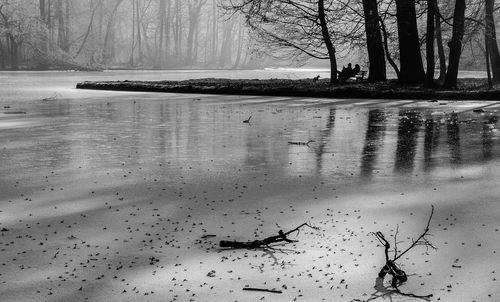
{"x":264,"y":243}
{"x":421,"y":240}
{"x":263,"y":290}
{"x":301,"y":143}
{"x":392,"y":268}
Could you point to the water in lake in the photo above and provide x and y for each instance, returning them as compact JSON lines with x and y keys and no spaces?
{"x":352,"y":140}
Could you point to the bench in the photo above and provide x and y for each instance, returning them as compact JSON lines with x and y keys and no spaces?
{"x":360,"y":76}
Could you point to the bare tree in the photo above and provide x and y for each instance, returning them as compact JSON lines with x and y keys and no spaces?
{"x":291,"y":29}
{"x":108,"y":46}
{"x":375,"y":46}
{"x":491,"y":41}
{"x":412,"y":70}
{"x":194,"y":9}
{"x":226,"y":43}
{"x":455,"y":44}
{"x":431,"y":64}
{"x":162,"y":10}
{"x":440,"y":47}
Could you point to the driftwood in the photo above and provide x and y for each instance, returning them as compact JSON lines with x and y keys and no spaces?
{"x":301,"y":143}
{"x":391,"y":267}
{"x":264,"y":243}
{"x":263,"y":290}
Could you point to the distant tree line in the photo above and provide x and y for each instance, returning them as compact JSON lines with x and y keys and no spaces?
{"x":387,"y":30}
{"x":94,"y":34}
{"x":406,"y":35}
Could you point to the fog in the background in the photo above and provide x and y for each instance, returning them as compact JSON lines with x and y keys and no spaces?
{"x":174,"y":34}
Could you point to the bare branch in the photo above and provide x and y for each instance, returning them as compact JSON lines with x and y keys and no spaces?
{"x":264,"y":243}
{"x":420,"y":240}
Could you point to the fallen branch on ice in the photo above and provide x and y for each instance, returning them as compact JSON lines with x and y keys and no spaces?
{"x":301,"y":143}
{"x":392,"y":268}
{"x":281,"y":237}
{"x":263,"y":290}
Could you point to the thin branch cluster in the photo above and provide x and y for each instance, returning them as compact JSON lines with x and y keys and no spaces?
{"x":391,"y":267}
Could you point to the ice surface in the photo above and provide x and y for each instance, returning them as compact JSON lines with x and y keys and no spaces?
{"x":97,"y":186}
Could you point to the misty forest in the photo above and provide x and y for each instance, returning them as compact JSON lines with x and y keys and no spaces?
{"x":230,"y":34}
{"x":93,"y":35}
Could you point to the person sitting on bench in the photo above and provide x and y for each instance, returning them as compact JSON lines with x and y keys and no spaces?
{"x":345,"y":73}
{"x":356,"y":70}
{"x":349,"y":72}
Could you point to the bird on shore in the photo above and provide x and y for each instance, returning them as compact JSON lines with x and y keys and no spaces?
{"x":247,"y":121}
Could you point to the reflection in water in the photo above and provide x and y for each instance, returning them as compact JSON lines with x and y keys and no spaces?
{"x":373,"y":141}
{"x":210,"y":140}
{"x":409,"y":124}
{"x":453,"y":134}
{"x":487,"y":141}
{"x":323,"y":140}
{"x":488,"y":136}
{"x":431,"y":142}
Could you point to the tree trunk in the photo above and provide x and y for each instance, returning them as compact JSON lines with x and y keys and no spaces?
{"x":328,"y":41}
{"x":89,"y":28}
{"x":138,"y":26}
{"x":487,"y":56}
{"x":67,"y":27}
{"x":150,"y":53}
{"x":43,"y":28}
{"x":14,"y":54}
{"x":60,"y":25}
{"x":412,"y":69}
{"x":131,"y":60}
{"x":214,"y":31}
{"x":50,"y":24}
{"x":161,"y":26}
{"x":168,"y":21}
{"x":431,"y":5}
{"x":2,"y":55}
{"x":196,"y":45}
{"x":108,"y":53}
{"x":455,"y":44}
{"x":491,"y":41}
{"x":193,"y":24}
{"x":178,"y":28}
{"x":207,"y":41}
{"x":225,"y":51}
{"x":386,"y":48}
{"x":377,"y":71}
{"x":240,"y":44}
{"x":102,"y":10}
{"x":41,"y":7}
{"x":440,"y":47}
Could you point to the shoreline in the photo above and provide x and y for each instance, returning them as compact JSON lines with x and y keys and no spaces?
{"x":469,"y":89}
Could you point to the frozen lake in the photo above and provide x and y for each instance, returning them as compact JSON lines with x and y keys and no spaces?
{"x":88,"y":178}
{"x":353,"y":139}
